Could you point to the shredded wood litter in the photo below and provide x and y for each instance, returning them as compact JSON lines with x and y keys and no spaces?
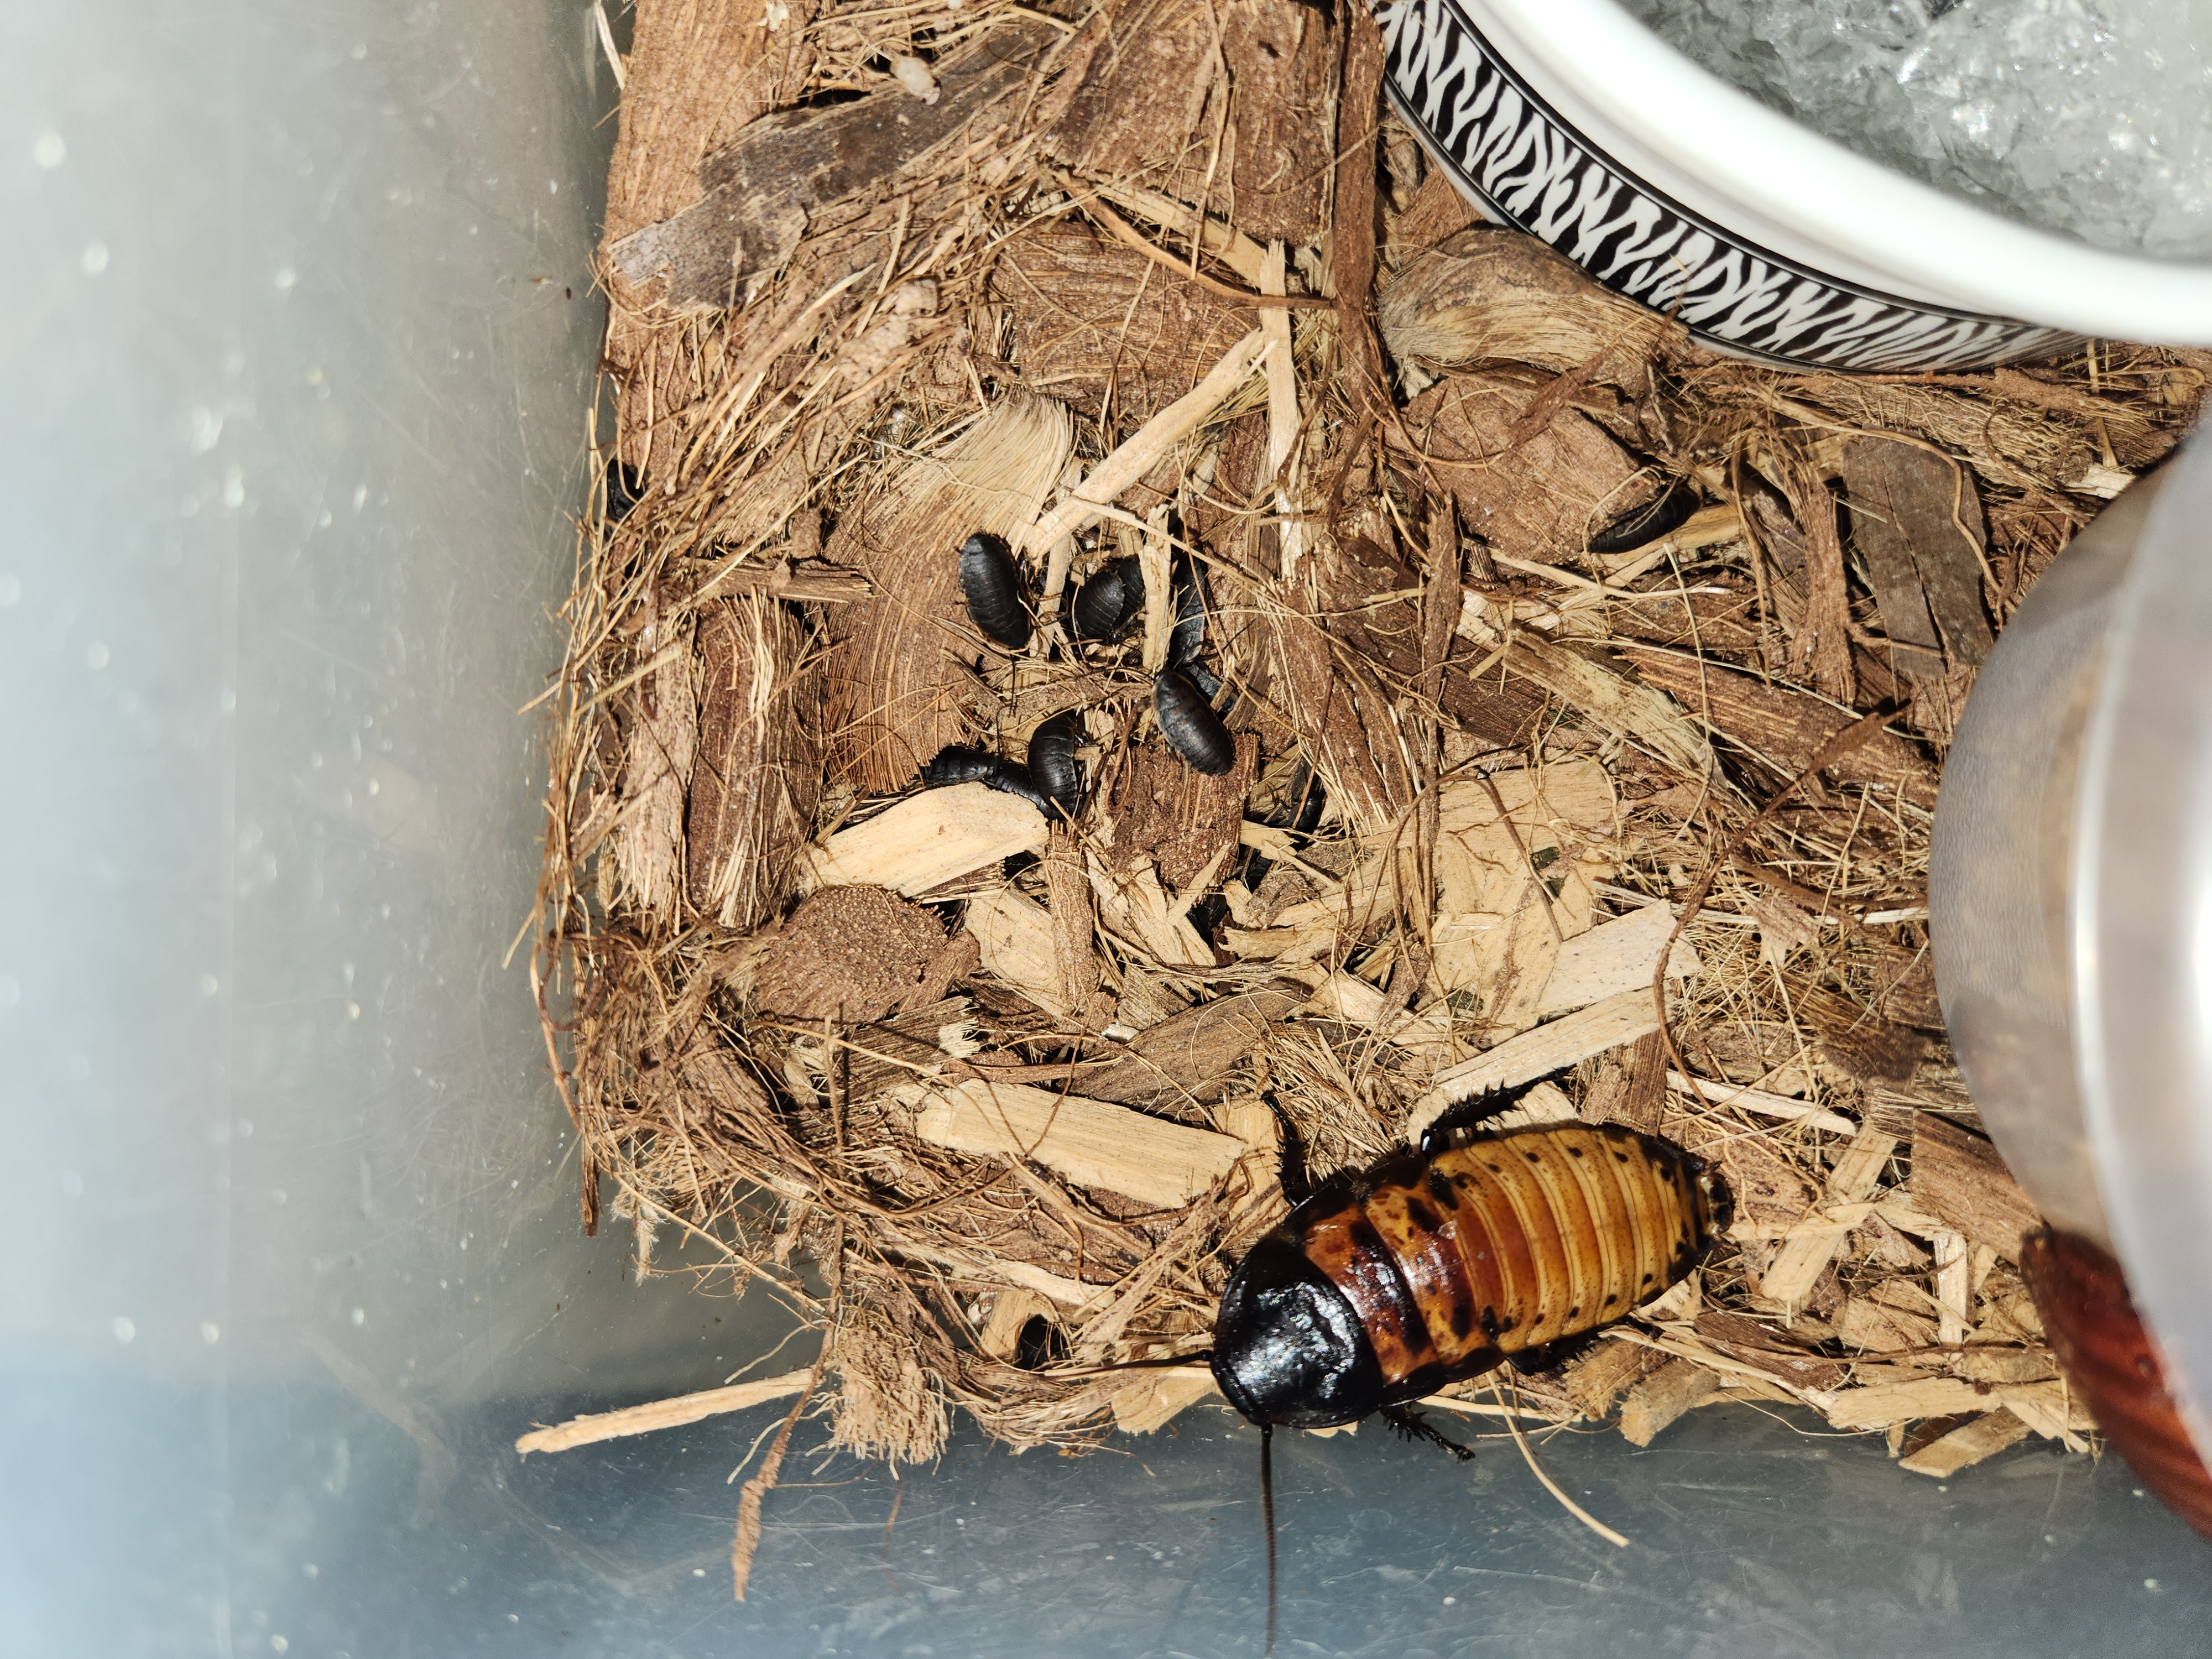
{"x":997,"y":1104}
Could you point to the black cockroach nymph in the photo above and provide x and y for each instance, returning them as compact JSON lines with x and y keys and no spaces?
{"x":1192,"y":602}
{"x":957,"y":763}
{"x":1106,"y":603}
{"x":993,"y":586}
{"x":1053,"y":763}
{"x":1190,"y":725}
{"x":1662,"y":515}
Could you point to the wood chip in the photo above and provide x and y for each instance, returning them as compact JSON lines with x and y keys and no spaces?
{"x":1150,"y":1399}
{"x":1630,"y":710}
{"x":1661,"y":1397}
{"x":1194,"y":1056}
{"x":1617,"y":955}
{"x":662,"y":1413}
{"x":1090,"y":1142}
{"x":1984,"y":1436}
{"x":1812,"y":1242}
{"x":926,"y":840}
{"x":1548,"y":1049}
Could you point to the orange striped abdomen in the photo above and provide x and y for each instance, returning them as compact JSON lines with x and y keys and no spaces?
{"x":1452,"y":1262}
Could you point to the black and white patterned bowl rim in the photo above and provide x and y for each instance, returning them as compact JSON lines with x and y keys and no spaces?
{"x":1506,"y":147}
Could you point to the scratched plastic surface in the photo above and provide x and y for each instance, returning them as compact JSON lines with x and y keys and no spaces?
{"x":298,"y":347}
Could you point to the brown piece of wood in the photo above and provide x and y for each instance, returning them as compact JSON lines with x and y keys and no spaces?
{"x":848,"y":953}
{"x":1824,"y":643}
{"x":1133,"y":90}
{"x":809,"y":579}
{"x":672,"y":1414}
{"x":1754,"y":1344}
{"x":1600,"y":1377}
{"x":1859,"y":1042}
{"x":1538,"y":499}
{"x":1917,"y":520}
{"x":1967,"y":1444}
{"x":1358,"y":109}
{"x":1492,"y":294}
{"x":757,"y":768}
{"x":1067,"y":887}
{"x":1281,"y":57}
{"x":1001,"y":1335}
{"x":759,"y":188}
{"x":927,"y":839}
{"x":1165,"y":811}
{"x":1192,"y":1056}
{"x":1437,"y":210}
{"x":905,"y":657}
{"x":958,"y":957}
{"x":1661,"y":1397}
{"x":1091,"y":318}
{"x":1960,"y":1178}
{"x":1343,"y":716}
{"x":1784,"y":726}
{"x":1090,"y":1142}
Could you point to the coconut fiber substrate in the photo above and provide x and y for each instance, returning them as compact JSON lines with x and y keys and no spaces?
{"x":1506,"y":621}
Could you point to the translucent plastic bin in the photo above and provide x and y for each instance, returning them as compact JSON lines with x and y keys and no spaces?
{"x":299,"y":342}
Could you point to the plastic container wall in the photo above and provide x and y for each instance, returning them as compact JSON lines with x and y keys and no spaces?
{"x":299,"y":349}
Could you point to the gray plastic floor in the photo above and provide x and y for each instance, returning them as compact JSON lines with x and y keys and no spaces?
{"x":298,"y":346}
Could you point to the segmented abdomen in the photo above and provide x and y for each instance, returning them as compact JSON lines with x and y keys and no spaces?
{"x":1452,"y":1262}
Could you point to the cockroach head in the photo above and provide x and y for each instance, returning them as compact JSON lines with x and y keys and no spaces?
{"x":1287,"y":1346}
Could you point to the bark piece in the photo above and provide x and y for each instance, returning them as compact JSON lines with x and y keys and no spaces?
{"x":1917,"y":520}
{"x":1352,"y":242}
{"x":1135,"y":89}
{"x":1824,"y":643}
{"x":1490,"y":293}
{"x":1622,"y":706}
{"x":1091,"y":1143}
{"x":1165,"y":811}
{"x":1538,"y":498}
{"x":757,"y":766}
{"x":1281,"y":55}
{"x":1753,"y":1344}
{"x":759,"y":189}
{"x":1594,"y":1382}
{"x":1193,"y":1056}
{"x":1091,"y":317}
{"x":850,"y":953}
{"x":1784,"y":727}
{"x":1661,"y":1397}
{"x":1958,"y":1177}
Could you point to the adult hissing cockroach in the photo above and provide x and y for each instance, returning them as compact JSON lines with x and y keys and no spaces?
{"x":1422,"y":1271}
{"x":994,"y":590}
{"x":1190,"y":725}
{"x":1053,"y":763}
{"x":1427,"y":1269}
{"x":1110,"y":598}
{"x":956,"y":764}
